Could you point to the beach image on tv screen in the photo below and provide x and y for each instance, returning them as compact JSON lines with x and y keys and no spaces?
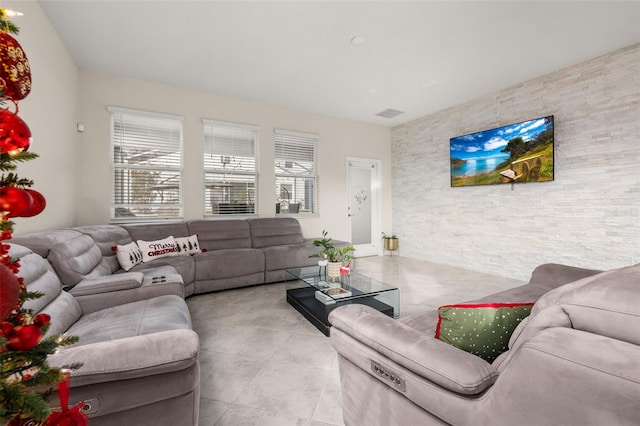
{"x":516,"y":153}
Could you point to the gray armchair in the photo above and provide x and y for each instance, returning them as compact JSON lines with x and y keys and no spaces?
{"x":574,"y":361}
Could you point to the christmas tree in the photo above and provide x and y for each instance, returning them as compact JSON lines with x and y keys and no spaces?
{"x":26,"y":379}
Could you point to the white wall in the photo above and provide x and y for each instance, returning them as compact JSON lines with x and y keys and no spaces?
{"x":338,"y":140}
{"x":589,"y":216}
{"x":50,"y":111}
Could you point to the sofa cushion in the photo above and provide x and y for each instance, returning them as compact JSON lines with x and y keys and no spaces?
{"x":221,"y":234}
{"x":218,"y":264}
{"x":76,"y":259}
{"x":106,"y":237}
{"x":607,"y":304}
{"x":40,"y":242}
{"x":275,"y":231}
{"x":129,"y":255}
{"x":289,"y":256}
{"x":160,"y":313}
{"x":39,"y":277}
{"x":482,"y":329}
{"x":156,"y":231}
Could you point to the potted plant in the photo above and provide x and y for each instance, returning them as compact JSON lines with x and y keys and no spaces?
{"x":332,"y":256}
{"x":390,"y":242}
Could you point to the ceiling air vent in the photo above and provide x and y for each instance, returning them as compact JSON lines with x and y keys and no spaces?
{"x":389,"y":113}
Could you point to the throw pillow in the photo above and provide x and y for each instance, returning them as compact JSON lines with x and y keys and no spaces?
{"x":129,"y":255}
{"x":187,"y":245}
{"x":156,"y":249}
{"x":482,"y":329}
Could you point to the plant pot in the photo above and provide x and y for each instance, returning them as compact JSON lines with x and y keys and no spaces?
{"x":333,"y":271}
{"x":391,"y":244}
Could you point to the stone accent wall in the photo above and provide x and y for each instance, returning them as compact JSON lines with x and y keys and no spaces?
{"x":588,"y":216}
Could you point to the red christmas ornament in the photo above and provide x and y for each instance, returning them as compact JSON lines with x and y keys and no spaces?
{"x":9,"y":292}
{"x":24,"y":337}
{"x":67,"y":416}
{"x":41,"y":320}
{"x":15,"y":72}
{"x":5,"y":328}
{"x":37,"y":206}
{"x":14,"y":201}
{"x":15,"y":135}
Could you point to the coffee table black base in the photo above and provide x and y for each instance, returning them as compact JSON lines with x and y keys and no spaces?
{"x":317,"y":313}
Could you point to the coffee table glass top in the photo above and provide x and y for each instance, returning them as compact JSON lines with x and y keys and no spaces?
{"x":356,"y":284}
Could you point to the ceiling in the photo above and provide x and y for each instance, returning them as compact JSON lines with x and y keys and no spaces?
{"x":419,"y":57}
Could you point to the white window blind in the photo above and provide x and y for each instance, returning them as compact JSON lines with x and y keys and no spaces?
{"x":296,"y":175}
{"x":230,"y":172}
{"x":146,"y":172}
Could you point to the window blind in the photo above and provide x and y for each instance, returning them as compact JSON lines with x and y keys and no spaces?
{"x":230,"y":171}
{"x":297,"y":186}
{"x":146,"y":158}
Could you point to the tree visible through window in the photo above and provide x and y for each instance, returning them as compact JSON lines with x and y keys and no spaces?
{"x":146,"y":172}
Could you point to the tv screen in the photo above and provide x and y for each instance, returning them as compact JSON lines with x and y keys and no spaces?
{"x":519,"y":152}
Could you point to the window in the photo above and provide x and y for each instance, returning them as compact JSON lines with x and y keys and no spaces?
{"x":296,"y":172}
{"x":146,"y":165}
{"x":230,"y":174}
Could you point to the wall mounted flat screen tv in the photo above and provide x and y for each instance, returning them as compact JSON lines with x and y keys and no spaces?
{"x":516,"y":153}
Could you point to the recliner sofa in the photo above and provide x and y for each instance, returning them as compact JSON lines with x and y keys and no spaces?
{"x":136,"y":363}
{"x":575,"y":360}
{"x":138,"y":354}
{"x":235,"y":253}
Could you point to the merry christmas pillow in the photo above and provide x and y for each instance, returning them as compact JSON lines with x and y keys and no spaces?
{"x":482,"y":329}
{"x":157,"y":249}
{"x":129,"y":255}
{"x":187,"y":245}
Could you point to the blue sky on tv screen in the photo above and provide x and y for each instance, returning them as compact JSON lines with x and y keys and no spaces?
{"x":489,"y":143}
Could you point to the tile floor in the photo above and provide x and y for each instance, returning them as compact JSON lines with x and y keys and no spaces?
{"x":263,"y":364}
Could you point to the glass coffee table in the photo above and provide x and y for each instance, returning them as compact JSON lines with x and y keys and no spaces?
{"x":312,"y":294}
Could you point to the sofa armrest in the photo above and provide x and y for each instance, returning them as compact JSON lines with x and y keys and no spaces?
{"x":552,"y":275}
{"x":423,"y":355}
{"x":107,"y":283}
{"x":129,"y":358}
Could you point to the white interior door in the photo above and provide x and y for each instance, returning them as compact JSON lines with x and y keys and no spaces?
{"x":363,"y":183}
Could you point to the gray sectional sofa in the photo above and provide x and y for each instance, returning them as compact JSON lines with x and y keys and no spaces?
{"x":137,"y":350}
{"x":235,"y":253}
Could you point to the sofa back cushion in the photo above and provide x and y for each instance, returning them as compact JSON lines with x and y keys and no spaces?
{"x":39,"y":277}
{"x":106,"y":238}
{"x":267,"y":232}
{"x":40,"y":242}
{"x":221,"y":234}
{"x":155,"y":231}
{"x":77,"y":259}
{"x":553,"y":275}
{"x":606,"y":304}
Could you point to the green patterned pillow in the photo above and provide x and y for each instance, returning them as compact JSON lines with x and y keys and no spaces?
{"x":482,"y":329}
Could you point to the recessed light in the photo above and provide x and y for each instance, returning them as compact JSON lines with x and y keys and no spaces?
{"x":357,"y":40}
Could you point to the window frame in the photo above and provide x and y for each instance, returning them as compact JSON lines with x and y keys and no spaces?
{"x":173,"y":122}
{"x":231,"y":211}
{"x":295,"y":139}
